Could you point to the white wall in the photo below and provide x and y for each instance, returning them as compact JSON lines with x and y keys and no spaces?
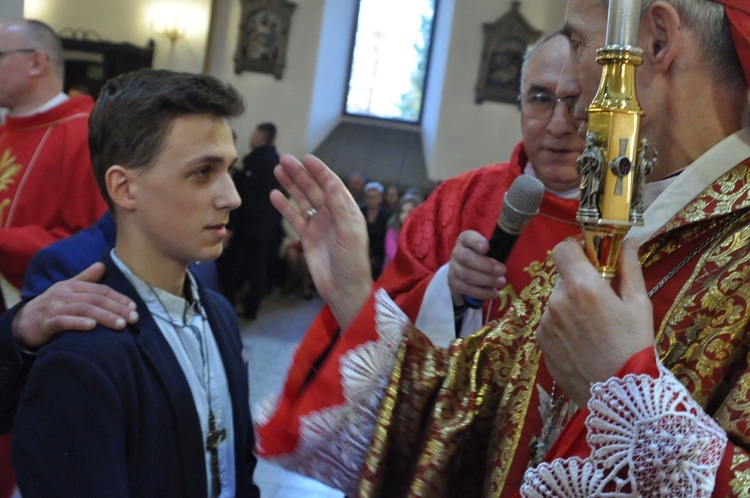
{"x":306,"y":103}
{"x":11,"y":9}
{"x":286,"y":102}
{"x":471,"y":135}
{"x":129,"y":21}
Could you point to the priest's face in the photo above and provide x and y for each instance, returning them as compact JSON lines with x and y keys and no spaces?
{"x":585,"y":26}
{"x":184,"y":197}
{"x":17,"y":61}
{"x":549,"y":132}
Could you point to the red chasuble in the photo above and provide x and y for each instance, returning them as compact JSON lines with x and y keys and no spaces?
{"x":462,"y":421}
{"x":473,"y":201}
{"x":47,"y":187}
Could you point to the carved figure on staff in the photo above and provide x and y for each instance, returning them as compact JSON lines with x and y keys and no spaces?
{"x":589,"y":166}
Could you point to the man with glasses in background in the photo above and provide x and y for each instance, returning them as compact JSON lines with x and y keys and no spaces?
{"x":441,"y":255}
{"x":47,"y":190}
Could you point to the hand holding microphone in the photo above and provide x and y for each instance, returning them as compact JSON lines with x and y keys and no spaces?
{"x":521,"y":203}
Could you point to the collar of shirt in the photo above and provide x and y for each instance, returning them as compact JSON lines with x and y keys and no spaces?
{"x":50,"y":104}
{"x":677,"y":191}
{"x":573,"y":193}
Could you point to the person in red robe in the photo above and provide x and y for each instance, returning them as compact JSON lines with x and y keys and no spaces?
{"x":440,"y":257}
{"x":635,"y":390}
{"x":47,"y":190}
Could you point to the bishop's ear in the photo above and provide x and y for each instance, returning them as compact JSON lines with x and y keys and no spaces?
{"x":661,"y":35}
{"x":122,"y":187}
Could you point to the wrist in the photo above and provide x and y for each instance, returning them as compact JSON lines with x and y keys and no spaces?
{"x":346,"y":307}
{"x":19,"y":334}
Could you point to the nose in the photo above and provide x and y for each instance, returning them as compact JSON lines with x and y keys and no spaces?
{"x":228,"y":197}
{"x":562,"y":122}
{"x":567,"y":118}
{"x":569,"y":86}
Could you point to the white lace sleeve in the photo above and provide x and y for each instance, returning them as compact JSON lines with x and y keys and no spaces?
{"x":334,"y":441}
{"x":648,"y":438}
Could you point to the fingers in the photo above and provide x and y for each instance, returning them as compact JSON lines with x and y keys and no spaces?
{"x":295,"y":179}
{"x":92,"y":274}
{"x":72,"y":305}
{"x":632,"y":286}
{"x":291,"y":213}
{"x":84,"y":315}
{"x":331,"y":192}
{"x":571,"y":261}
{"x":116,"y":301}
{"x":299,"y":181}
{"x":312,"y":184}
{"x":470,"y":272}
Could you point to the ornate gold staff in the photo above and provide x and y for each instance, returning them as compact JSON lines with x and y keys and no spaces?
{"x":614,"y":163}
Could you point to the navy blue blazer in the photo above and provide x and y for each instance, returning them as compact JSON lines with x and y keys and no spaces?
{"x":59,"y":261}
{"x":110,"y":414}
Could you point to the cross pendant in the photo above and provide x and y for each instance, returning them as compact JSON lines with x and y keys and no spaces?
{"x":213,"y":440}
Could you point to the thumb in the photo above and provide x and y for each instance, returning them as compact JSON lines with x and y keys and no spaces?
{"x":630,"y":277}
{"x":92,"y":274}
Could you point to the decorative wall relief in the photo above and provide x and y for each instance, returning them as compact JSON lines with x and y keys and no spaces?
{"x":505,"y":43}
{"x":262,"y":41}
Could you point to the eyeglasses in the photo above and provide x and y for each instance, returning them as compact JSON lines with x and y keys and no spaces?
{"x":17,"y":50}
{"x":542,"y":105}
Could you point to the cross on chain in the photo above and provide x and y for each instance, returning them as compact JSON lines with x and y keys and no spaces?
{"x":213,"y":440}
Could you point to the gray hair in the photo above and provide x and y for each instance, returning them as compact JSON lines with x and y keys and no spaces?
{"x":708,"y":20}
{"x":531,"y":50}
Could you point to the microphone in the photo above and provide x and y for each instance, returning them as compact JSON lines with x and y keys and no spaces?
{"x":521,"y":203}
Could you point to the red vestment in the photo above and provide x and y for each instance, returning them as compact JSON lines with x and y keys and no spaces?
{"x":47,"y":186}
{"x":379,"y":411}
{"x":472,"y":201}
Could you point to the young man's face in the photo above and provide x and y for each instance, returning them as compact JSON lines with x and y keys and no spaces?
{"x":184,"y":198}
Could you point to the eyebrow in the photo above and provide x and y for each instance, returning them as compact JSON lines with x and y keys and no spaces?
{"x":536,"y":88}
{"x":211,"y":159}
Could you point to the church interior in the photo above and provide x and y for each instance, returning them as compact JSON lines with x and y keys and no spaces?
{"x":456,"y":133}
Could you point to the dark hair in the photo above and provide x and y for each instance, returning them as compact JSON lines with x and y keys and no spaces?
{"x":395,"y":220}
{"x":268,"y":130}
{"x":134,"y":111}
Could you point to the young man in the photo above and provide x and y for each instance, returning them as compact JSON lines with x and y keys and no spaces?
{"x":160,"y":409}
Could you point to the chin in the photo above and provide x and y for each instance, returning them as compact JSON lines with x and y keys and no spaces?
{"x":208,"y":254}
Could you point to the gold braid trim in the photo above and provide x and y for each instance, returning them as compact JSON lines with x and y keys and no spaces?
{"x":452,"y":421}
{"x":739,"y":482}
{"x":449,"y":415}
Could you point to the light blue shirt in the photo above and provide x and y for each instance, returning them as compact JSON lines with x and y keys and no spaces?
{"x":186,"y":329}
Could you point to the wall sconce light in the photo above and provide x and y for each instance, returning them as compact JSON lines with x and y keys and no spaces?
{"x":172,"y":32}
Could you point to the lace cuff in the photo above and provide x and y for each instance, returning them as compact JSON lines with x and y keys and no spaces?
{"x":648,"y":437}
{"x":334,"y":441}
